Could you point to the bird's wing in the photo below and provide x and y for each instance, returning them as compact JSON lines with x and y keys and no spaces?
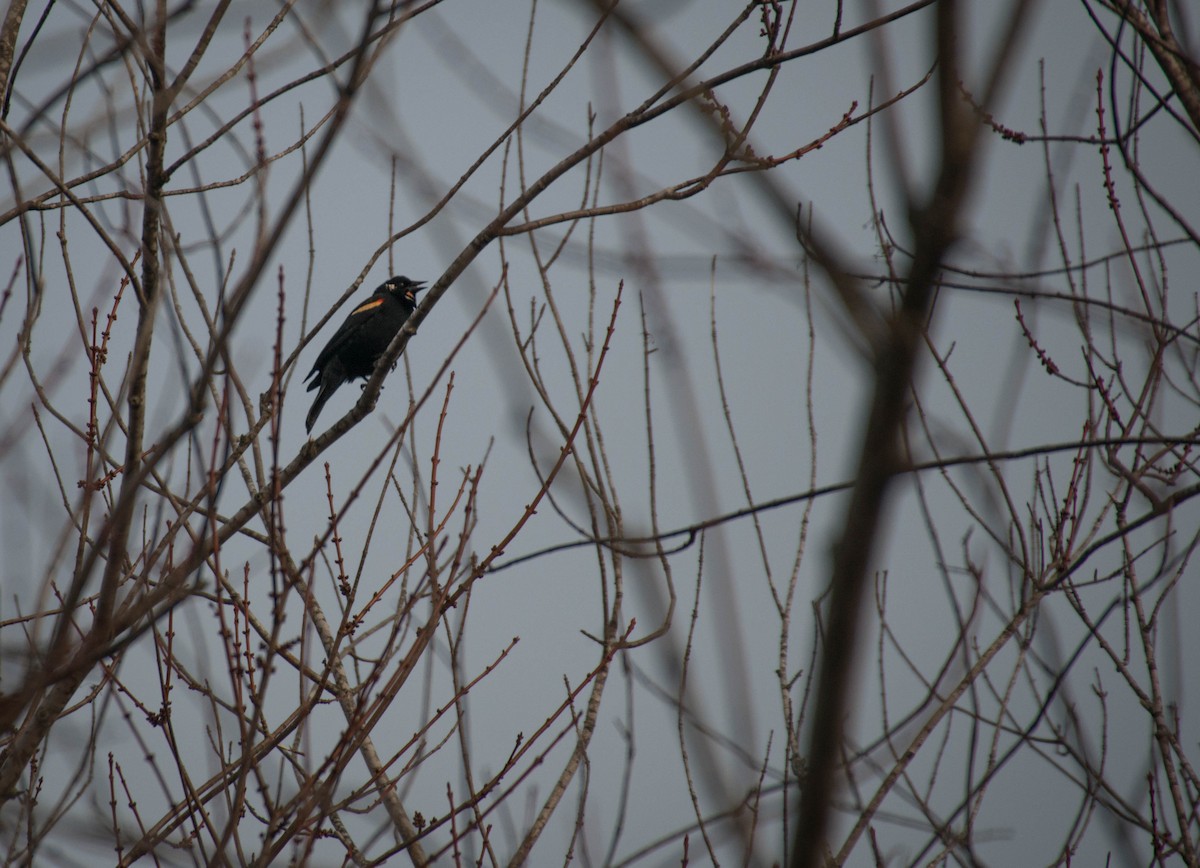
{"x":346,"y":331}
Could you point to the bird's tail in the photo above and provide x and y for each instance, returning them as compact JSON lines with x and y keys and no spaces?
{"x":328,"y":385}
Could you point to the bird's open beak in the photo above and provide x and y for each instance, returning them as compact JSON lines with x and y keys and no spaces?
{"x":411,"y":293}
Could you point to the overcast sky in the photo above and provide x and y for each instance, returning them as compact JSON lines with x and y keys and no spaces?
{"x":442,"y":91}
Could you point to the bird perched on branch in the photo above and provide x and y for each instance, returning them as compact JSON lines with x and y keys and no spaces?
{"x":355,"y":347}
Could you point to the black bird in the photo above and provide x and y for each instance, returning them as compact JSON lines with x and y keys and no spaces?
{"x":355,"y":347}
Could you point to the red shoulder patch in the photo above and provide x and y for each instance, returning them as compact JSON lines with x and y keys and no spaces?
{"x":370,"y":305}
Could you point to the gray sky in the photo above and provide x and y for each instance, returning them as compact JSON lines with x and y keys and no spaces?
{"x":445,"y":88}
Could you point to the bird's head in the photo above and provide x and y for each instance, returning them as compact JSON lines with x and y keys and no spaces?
{"x":404,"y":288}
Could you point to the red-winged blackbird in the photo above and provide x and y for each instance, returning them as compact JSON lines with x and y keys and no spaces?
{"x":355,"y":347}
